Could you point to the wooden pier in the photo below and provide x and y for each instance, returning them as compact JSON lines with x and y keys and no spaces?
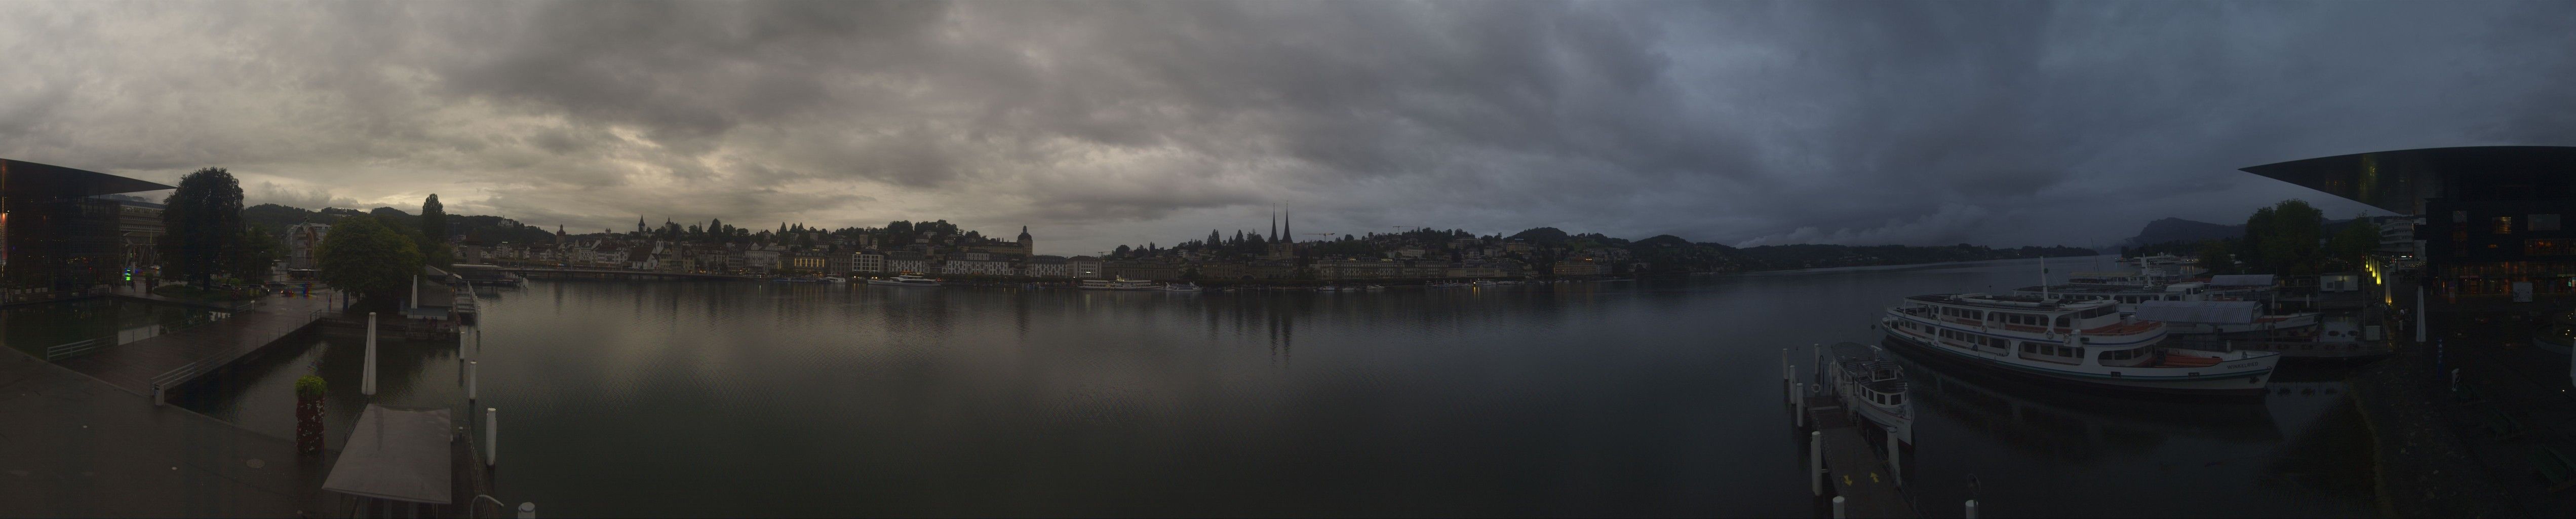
{"x":1849,"y":474}
{"x":1854,"y":470}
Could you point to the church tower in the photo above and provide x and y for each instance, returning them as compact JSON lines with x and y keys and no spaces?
{"x":1028,"y":247}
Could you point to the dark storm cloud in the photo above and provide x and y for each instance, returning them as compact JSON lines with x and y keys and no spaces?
{"x":1112,"y":122}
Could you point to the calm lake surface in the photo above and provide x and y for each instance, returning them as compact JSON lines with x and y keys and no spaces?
{"x":1625,"y":399}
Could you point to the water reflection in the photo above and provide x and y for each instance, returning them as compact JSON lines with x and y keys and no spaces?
{"x":1534,"y":400}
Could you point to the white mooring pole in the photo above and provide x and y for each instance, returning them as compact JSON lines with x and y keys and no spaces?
{"x":1798,"y":405}
{"x":368,"y":384}
{"x":1895,"y":457}
{"x":1816,"y":463}
{"x":528,"y":510}
{"x":1972,"y":509}
{"x":469,"y":382}
{"x":1838,"y":508}
{"x":491,"y":437}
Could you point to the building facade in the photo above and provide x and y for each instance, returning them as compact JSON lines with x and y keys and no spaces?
{"x":2493,"y":216}
{"x":54,"y":233}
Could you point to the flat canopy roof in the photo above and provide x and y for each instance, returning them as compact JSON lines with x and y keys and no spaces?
{"x":397,"y":454}
{"x":2399,"y":180}
{"x":22,"y":178}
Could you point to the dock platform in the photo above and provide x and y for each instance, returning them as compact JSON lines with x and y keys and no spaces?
{"x":173,"y":359}
{"x":1853,"y":469}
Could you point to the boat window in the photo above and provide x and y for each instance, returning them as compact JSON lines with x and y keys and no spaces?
{"x":2029,"y":348}
{"x":1896,"y":399}
{"x":2061,"y":321}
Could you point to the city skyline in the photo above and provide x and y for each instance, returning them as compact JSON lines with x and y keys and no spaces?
{"x":1111,"y":123}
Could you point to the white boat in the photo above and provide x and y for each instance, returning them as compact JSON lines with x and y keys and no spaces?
{"x":1117,"y":284}
{"x":1181,"y":287}
{"x":2085,"y":342}
{"x":906,"y":280}
{"x":1374,"y":288}
{"x":1872,"y":385}
{"x":835,"y":279}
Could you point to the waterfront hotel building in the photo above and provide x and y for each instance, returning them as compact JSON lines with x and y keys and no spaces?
{"x":2491,"y":216}
{"x":55,"y":233}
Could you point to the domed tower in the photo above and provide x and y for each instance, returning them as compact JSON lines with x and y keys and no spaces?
{"x":1028,"y":247}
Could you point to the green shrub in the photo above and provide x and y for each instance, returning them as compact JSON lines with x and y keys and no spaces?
{"x":310,"y":386}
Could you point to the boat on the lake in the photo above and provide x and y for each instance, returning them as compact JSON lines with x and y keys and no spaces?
{"x":1118,"y":284}
{"x":2086,"y":342}
{"x":835,"y":279}
{"x":1873,"y":385}
{"x":1181,"y":287}
{"x":905,"y":280}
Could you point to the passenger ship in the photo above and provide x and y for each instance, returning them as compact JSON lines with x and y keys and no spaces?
{"x":1874,"y":386}
{"x":2087,"y":342}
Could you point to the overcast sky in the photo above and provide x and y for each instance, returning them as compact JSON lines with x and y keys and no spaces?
{"x":1099,"y":123}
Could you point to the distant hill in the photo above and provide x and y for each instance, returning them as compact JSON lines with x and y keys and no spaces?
{"x":2180,"y":230}
{"x":2171,"y":231}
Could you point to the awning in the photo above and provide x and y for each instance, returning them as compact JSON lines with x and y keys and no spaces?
{"x":2199,"y":311}
{"x":397,"y":454}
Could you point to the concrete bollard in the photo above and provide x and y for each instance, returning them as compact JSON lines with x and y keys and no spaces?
{"x":1895,"y":459}
{"x":1838,"y":508}
{"x":1816,"y":463}
{"x":368,"y":384}
{"x":1798,"y":406}
{"x":1972,"y":509}
{"x":527,"y":511}
{"x":491,"y":437}
{"x":469,"y":381}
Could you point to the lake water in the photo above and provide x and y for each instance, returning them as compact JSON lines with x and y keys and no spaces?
{"x":1621,"y":399}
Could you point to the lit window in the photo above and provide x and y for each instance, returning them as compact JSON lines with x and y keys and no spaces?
{"x":2503,"y":225}
{"x":2544,"y":222}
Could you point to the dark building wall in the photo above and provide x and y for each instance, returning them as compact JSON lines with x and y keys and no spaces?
{"x":62,"y":243}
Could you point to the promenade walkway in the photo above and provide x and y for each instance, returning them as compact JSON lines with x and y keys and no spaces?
{"x":73,"y":446}
{"x":177,"y":357}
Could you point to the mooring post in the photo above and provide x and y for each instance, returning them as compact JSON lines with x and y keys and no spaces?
{"x":368,"y":385}
{"x":156,"y":395}
{"x":491,"y":437}
{"x":1895,"y":465}
{"x":528,"y":510}
{"x":1798,"y":405}
{"x":1838,"y":508}
{"x":1972,"y":509}
{"x":1816,"y":463}
{"x":469,"y":382}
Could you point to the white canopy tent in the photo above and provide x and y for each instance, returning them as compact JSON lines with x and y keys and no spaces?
{"x":397,"y":455}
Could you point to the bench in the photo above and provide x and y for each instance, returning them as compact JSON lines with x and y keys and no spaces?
{"x":2555,"y":467}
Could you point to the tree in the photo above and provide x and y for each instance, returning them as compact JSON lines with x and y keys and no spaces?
{"x":202,"y":224}
{"x":258,"y":252}
{"x":363,"y":256}
{"x":433,"y":220}
{"x":2350,"y":247}
{"x":2283,"y":238}
{"x":2214,"y":256}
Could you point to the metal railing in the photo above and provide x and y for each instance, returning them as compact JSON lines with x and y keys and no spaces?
{"x":76,"y":348}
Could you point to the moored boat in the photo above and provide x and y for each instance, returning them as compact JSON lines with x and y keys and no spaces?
{"x":1874,"y":386}
{"x":906,"y":280}
{"x":2085,"y":342}
{"x":1117,"y":284}
{"x":1181,"y":287}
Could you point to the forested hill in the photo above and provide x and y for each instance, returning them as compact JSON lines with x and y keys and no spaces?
{"x":1779,"y":257}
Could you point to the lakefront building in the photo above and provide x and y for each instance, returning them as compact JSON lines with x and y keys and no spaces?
{"x":2493,"y":216}
{"x":55,"y":232}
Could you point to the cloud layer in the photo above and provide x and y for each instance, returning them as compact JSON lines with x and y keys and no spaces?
{"x":1099,"y":123}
